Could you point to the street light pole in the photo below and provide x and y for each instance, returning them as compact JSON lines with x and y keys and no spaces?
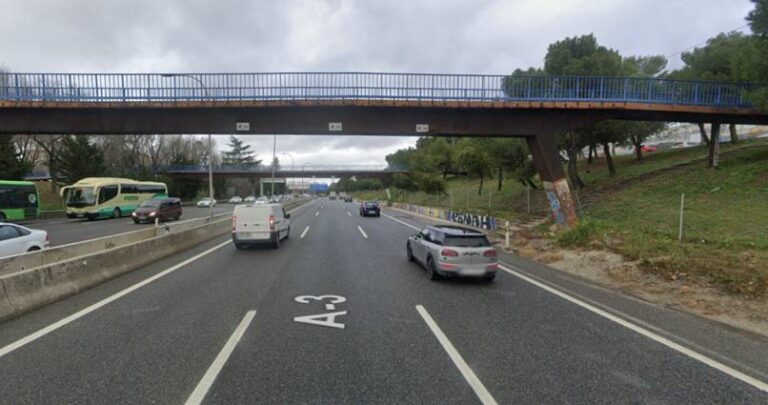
{"x":293,"y":168}
{"x":274,"y":166}
{"x":210,"y":141}
{"x":302,"y":174}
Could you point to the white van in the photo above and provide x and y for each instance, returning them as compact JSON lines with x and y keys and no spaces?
{"x":259,"y":223}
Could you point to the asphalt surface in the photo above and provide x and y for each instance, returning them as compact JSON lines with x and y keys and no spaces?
{"x":64,"y":231}
{"x":176,"y":338}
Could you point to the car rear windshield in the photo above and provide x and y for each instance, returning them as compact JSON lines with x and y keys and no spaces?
{"x":466,"y":241}
{"x":151,"y":203}
{"x":371,"y":205}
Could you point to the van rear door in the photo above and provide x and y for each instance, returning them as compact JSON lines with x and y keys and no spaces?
{"x":252,"y":222}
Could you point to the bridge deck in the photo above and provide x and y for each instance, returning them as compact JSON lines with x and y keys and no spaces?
{"x":471,"y":104}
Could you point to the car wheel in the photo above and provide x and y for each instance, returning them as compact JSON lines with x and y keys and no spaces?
{"x":33,"y":249}
{"x":2,"y":216}
{"x":135,"y":221}
{"x":489,"y":278}
{"x":239,"y":246}
{"x":432,"y":270}
{"x":276,"y":245}
{"x":409,"y":252}
{"x":117,"y":213}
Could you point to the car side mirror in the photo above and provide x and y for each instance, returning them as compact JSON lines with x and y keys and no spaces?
{"x":287,"y":215}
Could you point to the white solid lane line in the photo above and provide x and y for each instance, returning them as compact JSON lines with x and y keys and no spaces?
{"x":348,"y":214}
{"x":205,"y":384}
{"x":482,"y":393}
{"x":761,"y":385}
{"x":304,"y":233}
{"x":402,"y":222}
{"x":362,"y":231}
{"x":87,"y":310}
{"x":317,"y":213}
{"x":627,"y":324}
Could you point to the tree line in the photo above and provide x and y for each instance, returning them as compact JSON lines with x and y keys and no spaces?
{"x":732,"y":56}
{"x":69,"y":158}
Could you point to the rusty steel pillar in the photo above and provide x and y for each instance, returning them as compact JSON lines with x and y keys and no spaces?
{"x":546,"y":158}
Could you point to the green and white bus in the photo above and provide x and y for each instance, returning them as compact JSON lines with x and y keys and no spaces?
{"x":18,"y":200}
{"x":108,"y":197}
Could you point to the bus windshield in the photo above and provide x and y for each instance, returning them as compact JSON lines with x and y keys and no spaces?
{"x":80,"y":196}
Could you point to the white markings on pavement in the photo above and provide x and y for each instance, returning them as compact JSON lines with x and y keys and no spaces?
{"x":304,"y":233}
{"x":482,"y":393}
{"x":348,"y":214}
{"x":402,"y":222}
{"x":317,"y":213}
{"x":362,"y":232}
{"x":761,"y":385}
{"x":205,"y":384}
{"x":327,"y":319}
{"x":87,"y":310}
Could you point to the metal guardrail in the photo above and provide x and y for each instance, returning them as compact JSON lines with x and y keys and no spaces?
{"x":119,"y":87}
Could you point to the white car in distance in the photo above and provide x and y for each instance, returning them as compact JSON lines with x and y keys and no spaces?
{"x":250,"y":199}
{"x":206,"y":203}
{"x":17,"y":239}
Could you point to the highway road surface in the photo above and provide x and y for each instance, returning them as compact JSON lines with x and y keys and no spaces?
{"x":338,"y":315}
{"x":64,"y":231}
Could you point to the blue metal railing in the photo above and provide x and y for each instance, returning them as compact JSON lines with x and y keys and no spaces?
{"x":365,"y":86}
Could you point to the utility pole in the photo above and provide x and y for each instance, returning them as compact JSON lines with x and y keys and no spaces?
{"x":274,"y":166}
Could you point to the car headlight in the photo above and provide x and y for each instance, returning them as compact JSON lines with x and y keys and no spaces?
{"x":152,"y":214}
{"x":133,"y":214}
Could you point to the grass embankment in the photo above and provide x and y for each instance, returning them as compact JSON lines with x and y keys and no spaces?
{"x":725,"y":240}
{"x":725,"y":234}
{"x":462,"y":195}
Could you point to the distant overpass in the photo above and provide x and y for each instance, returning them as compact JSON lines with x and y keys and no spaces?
{"x":299,"y":171}
{"x":538,"y":108}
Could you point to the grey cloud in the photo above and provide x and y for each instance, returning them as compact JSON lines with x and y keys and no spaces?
{"x":480,"y":36}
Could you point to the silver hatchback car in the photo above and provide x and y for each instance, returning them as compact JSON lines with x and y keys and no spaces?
{"x":453,"y":251}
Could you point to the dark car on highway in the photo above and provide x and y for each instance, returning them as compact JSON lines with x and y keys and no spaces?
{"x":161,"y":209}
{"x":370,"y":208}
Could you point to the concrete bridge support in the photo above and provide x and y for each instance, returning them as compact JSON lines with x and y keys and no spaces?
{"x":546,"y":158}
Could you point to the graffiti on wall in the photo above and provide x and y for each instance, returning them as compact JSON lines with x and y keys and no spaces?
{"x":477,"y":221}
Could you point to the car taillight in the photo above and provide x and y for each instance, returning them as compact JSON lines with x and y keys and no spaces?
{"x":271,"y":222}
{"x":47,"y":237}
{"x":234,"y":222}
{"x":490,"y":253}
{"x":449,"y":253}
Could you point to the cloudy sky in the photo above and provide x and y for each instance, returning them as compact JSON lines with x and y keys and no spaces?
{"x":446,"y":36}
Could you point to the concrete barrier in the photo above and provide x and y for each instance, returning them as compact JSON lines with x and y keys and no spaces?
{"x":59,"y":253}
{"x":28,"y":289}
{"x":100,"y":260}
